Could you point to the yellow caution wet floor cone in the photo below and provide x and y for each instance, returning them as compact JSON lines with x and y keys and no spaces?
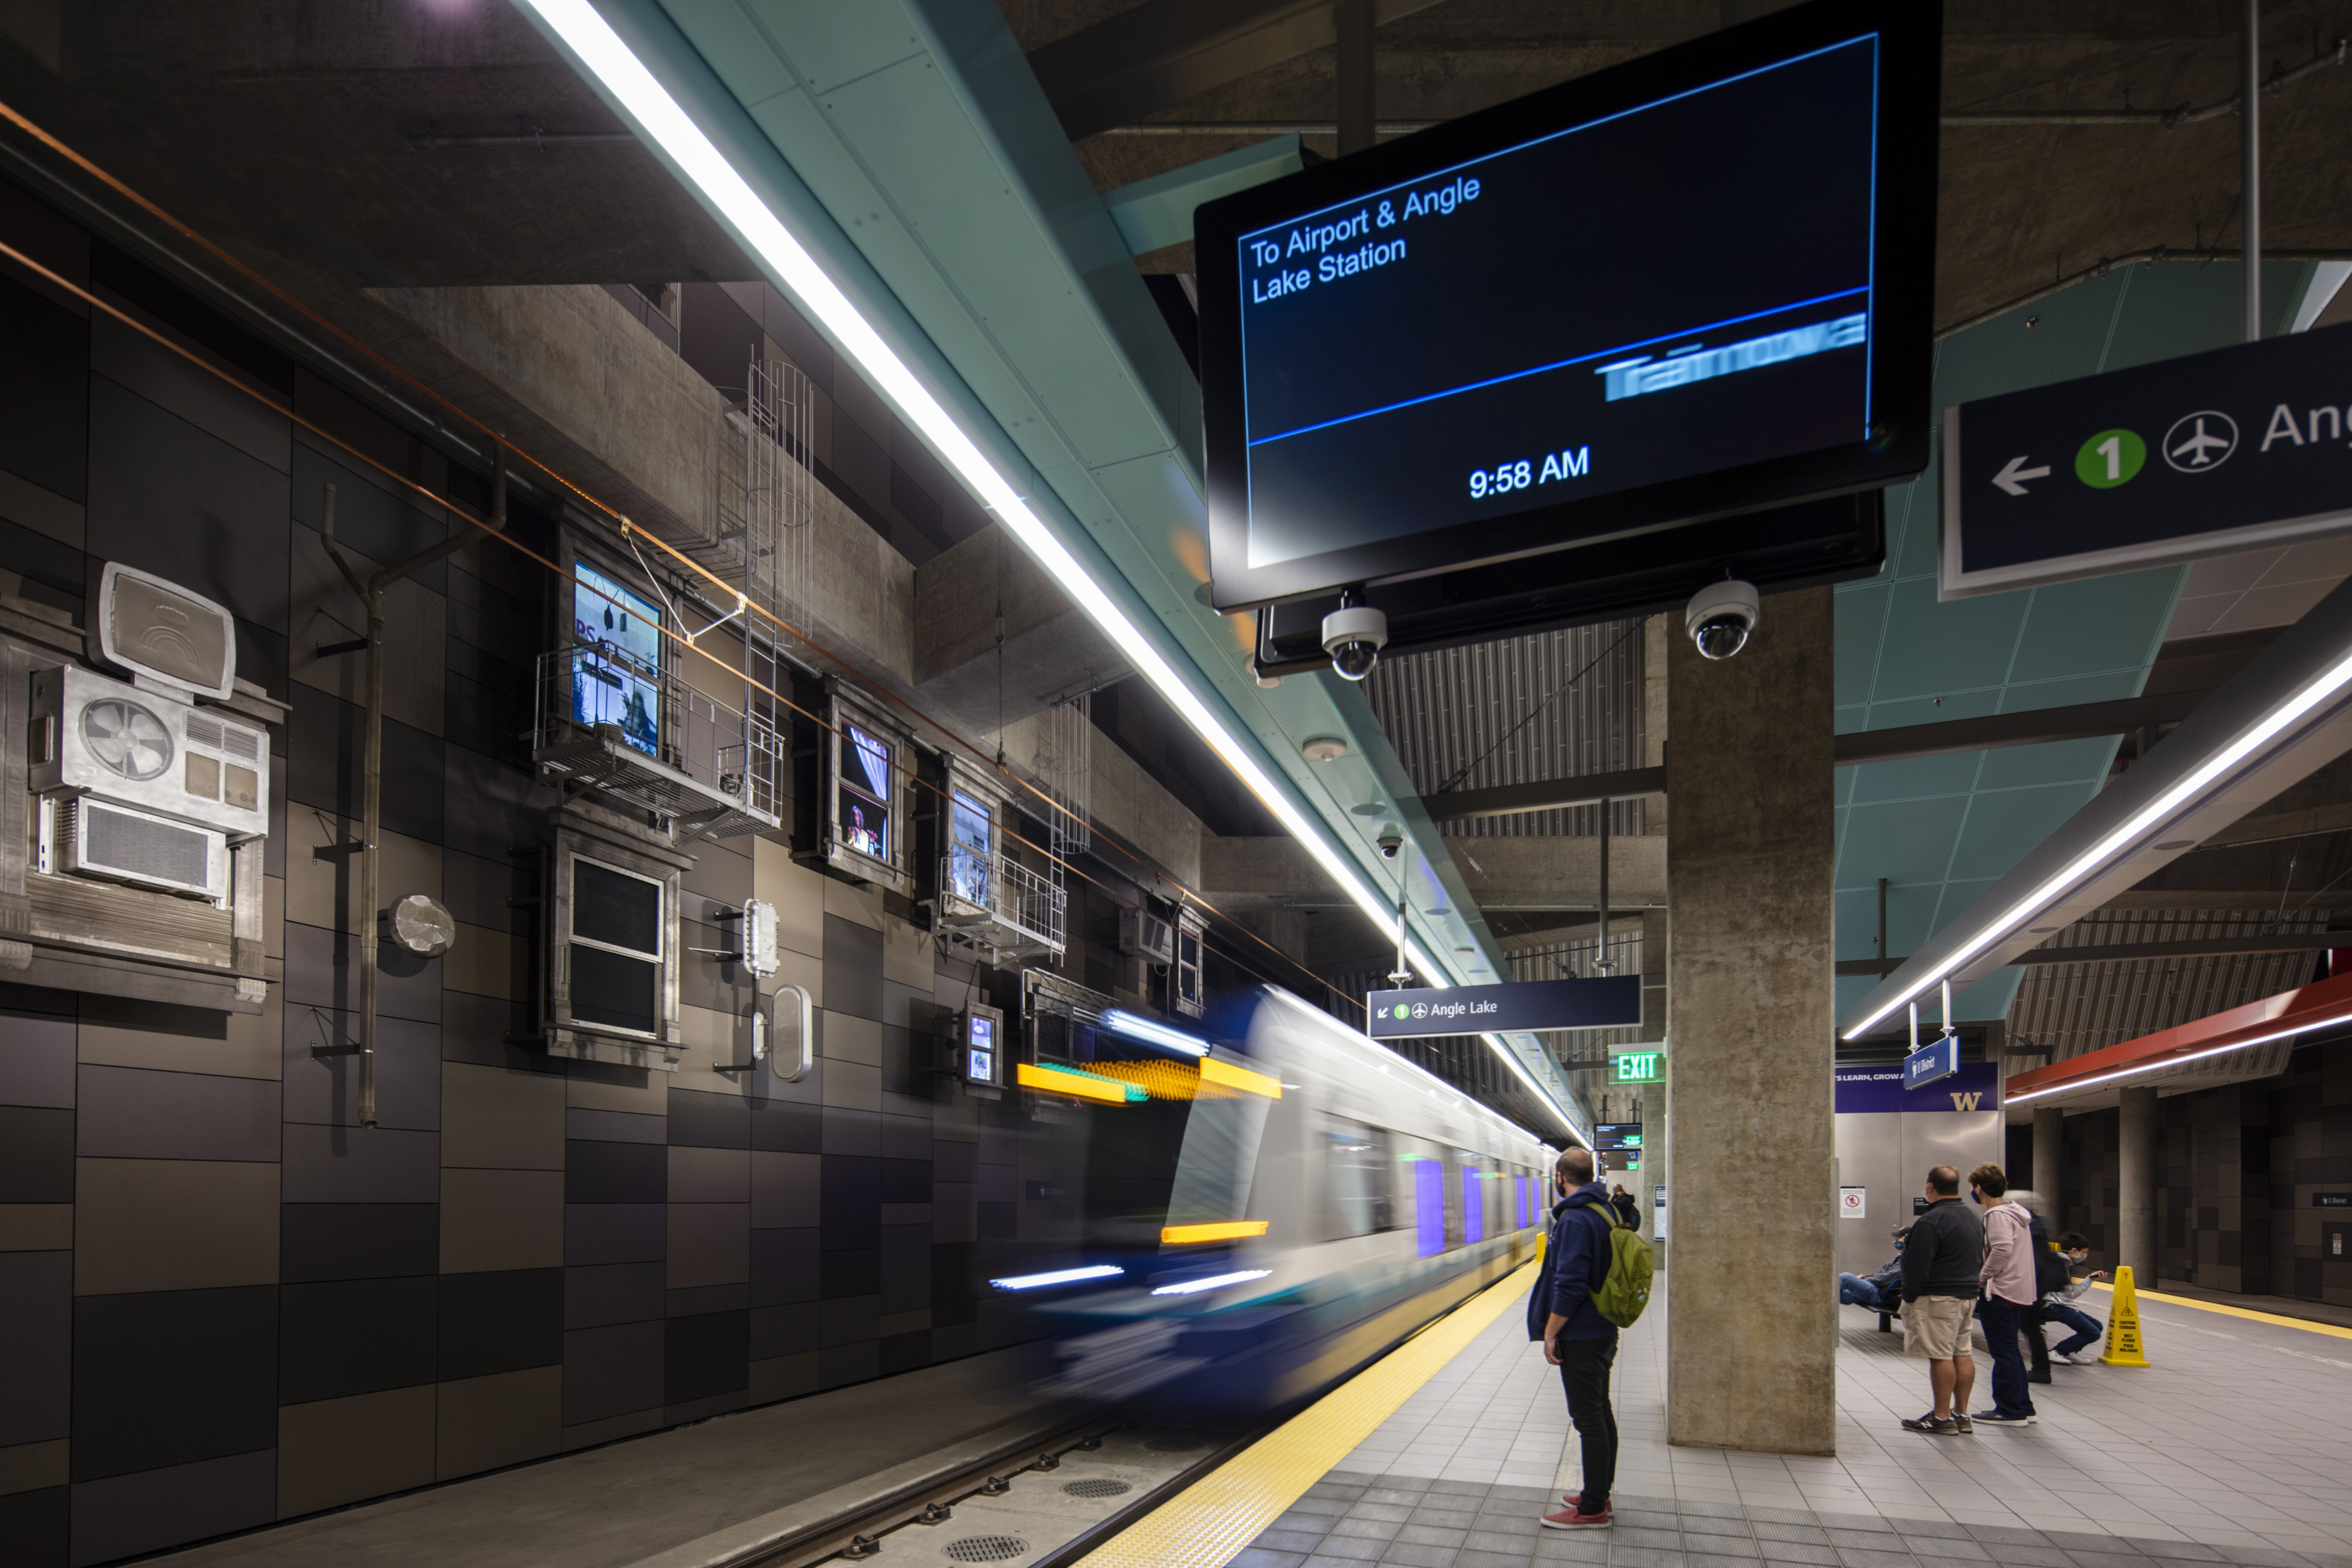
{"x":2122,"y":1347}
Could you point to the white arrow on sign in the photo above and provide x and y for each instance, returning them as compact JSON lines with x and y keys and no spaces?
{"x":2010,"y":475}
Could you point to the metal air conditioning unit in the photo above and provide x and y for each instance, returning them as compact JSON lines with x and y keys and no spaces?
{"x":137,"y":783}
{"x":1146,"y":936}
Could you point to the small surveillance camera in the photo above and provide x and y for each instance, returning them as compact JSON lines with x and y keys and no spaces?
{"x":1354,"y":636}
{"x":1722,"y":616}
{"x":1390,"y":844}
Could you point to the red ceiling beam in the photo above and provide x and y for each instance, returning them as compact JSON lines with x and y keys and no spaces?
{"x":2273,"y":1017}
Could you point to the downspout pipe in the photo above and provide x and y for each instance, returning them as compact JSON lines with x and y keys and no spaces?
{"x":370,"y":900}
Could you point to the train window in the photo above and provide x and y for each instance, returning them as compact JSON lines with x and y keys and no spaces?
{"x":1473,"y":1198}
{"x":1428,"y":1205}
{"x":1359,"y":1173}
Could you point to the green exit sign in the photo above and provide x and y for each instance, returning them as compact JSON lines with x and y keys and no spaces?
{"x":1637,"y":1067}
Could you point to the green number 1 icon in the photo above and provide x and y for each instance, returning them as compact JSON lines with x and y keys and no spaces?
{"x":2109,"y":457}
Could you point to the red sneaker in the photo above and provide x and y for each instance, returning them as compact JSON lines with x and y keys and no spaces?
{"x":1570,"y":1519}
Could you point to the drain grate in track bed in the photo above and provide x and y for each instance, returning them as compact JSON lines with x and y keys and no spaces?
{"x":985,"y":1549}
{"x":1096,"y":1486}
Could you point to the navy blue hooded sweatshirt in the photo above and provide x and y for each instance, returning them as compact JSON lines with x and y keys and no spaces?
{"x":1575,"y":1265}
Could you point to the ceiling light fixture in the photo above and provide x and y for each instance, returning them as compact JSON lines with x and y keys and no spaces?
{"x":2313,"y":693}
{"x":1058,"y":1277}
{"x":1151,"y":1032}
{"x":2175,"y":1060}
{"x":661,"y":120}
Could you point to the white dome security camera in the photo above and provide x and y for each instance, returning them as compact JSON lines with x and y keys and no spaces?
{"x":1722,"y":617}
{"x":1354,"y":636}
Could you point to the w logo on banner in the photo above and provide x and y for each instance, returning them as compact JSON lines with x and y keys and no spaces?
{"x":1967,"y":1101}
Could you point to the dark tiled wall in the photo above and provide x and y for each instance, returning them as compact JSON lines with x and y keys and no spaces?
{"x":223,"y":1301}
{"x":2237,"y":1169}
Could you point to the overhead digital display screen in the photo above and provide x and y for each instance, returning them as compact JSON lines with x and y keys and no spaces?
{"x":1692,"y":285}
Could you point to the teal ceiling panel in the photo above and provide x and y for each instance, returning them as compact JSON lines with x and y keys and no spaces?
{"x":2102,"y":624}
{"x":1977,"y":704}
{"x":744,"y":57}
{"x":1929,"y":648}
{"x":1907,"y":841}
{"x":2105,"y":686}
{"x":2004,"y":823}
{"x":2083,"y":762}
{"x":1915,"y":778}
{"x":1910,"y":919}
{"x":1859,"y":620}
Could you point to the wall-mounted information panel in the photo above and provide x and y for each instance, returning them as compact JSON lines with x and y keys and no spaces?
{"x":1690,"y":286}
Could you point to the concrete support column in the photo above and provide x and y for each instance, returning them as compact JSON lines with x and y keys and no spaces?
{"x":2050,"y":1161}
{"x":1751,"y":1331}
{"x":2136,"y":1187}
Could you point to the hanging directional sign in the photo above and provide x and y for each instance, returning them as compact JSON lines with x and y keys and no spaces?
{"x":2174,"y":461}
{"x":1606,"y":1002}
{"x":1935,"y":1060}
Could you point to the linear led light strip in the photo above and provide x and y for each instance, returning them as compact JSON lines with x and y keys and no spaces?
{"x":2174,"y":1061}
{"x":2279,"y":719}
{"x":591,"y":37}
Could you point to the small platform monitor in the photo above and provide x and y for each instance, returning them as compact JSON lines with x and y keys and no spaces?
{"x":978,"y":1046}
{"x":1691,"y":286}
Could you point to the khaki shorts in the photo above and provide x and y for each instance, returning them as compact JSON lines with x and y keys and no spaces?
{"x":1936,"y":1327}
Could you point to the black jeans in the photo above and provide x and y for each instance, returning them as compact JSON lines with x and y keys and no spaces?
{"x":2002,"y":1322}
{"x":1584,"y":1373}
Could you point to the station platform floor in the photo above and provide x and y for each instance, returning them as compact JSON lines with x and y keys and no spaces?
{"x":2231,"y":1447}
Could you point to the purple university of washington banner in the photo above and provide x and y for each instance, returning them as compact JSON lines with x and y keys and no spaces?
{"x":1879,"y":1087}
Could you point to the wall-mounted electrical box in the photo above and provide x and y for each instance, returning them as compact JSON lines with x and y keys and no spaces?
{"x":1145,"y":936}
{"x":758,"y":938}
{"x":133,"y":833}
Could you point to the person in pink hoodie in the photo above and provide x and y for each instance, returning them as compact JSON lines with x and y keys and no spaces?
{"x":2007,"y":1278}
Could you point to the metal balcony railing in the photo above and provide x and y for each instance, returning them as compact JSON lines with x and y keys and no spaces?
{"x":991,"y":901}
{"x":608,"y":719}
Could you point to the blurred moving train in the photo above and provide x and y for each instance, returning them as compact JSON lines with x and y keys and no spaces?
{"x":1270,"y":1207}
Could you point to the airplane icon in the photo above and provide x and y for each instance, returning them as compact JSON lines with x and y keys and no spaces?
{"x":2200,"y":442}
{"x":2197,"y":446}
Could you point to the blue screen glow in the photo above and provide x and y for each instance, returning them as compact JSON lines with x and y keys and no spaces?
{"x":1563,"y":318}
{"x":1428,"y":1208}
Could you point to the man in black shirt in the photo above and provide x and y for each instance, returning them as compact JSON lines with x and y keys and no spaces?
{"x":1942,"y":1259}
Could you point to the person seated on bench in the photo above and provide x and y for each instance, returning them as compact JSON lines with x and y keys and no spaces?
{"x":1882,"y":1291}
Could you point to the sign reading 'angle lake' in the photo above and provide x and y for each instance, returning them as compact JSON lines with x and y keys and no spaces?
{"x":1610,"y":1000}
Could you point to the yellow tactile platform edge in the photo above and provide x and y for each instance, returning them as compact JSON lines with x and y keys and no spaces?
{"x":2306,"y":1324}
{"x":1210,"y":1521}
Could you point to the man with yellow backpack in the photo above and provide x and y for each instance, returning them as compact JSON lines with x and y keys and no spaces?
{"x":1594,"y":1280}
